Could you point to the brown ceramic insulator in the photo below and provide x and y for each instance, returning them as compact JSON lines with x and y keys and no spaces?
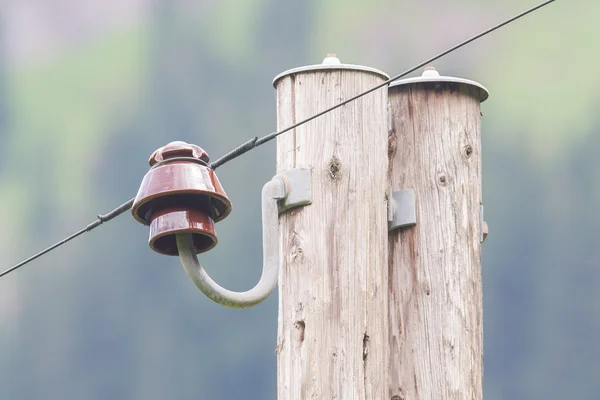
{"x":183,"y":184}
{"x":168,"y":222}
{"x":180,"y":196}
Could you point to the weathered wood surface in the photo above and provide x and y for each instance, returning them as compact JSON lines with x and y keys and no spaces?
{"x":435,"y":303}
{"x":333,"y":288}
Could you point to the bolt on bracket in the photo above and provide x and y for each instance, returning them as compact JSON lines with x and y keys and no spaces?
{"x":402,"y":209}
{"x":483,"y":226}
{"x":298,"y":188}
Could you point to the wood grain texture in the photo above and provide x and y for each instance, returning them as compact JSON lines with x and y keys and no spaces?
{"x":435,"y":303}
{"x":333,"y":327}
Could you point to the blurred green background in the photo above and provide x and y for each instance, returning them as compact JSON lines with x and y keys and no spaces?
{"x":89,"y":89}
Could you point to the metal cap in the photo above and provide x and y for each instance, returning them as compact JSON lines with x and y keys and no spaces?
{"x":431,"y":75}
{"x":330,"y":63}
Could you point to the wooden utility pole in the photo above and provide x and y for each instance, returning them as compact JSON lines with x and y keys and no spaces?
{"x":333,"y":288}
{"x":435,"y":299}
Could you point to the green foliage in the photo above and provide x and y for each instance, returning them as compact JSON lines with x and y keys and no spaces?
{"x":62,"y":109}
{"x":544,"y":82}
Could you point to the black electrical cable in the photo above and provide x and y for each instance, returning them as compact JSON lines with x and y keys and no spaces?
{"x":255,"y":142}
{"x":99,"y":221}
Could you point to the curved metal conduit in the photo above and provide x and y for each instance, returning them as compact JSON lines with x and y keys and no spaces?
{"x":273,"y":191}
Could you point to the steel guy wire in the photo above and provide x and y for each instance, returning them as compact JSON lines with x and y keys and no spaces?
{"x":255,"y":142}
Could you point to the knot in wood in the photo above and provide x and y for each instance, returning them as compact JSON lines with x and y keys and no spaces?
{"x":299,"y":327}
{"x":333,"y":168}
{"x":467,"y":151}
{"x":442,"y":180}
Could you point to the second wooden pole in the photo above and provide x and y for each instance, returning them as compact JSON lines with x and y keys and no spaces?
{"x":435,"y":309}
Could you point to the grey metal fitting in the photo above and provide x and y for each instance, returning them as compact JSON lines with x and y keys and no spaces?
{"x":402,"y":209}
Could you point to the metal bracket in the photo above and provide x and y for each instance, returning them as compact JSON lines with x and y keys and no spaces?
{"x":286,"y":190}
{"x":483,"y":226}
{"x":299,"y":189}
{"x":402,"y":209}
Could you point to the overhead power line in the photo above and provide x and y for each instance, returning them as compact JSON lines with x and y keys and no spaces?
{"x":255,"y":142}
{"x":99,"y":221}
